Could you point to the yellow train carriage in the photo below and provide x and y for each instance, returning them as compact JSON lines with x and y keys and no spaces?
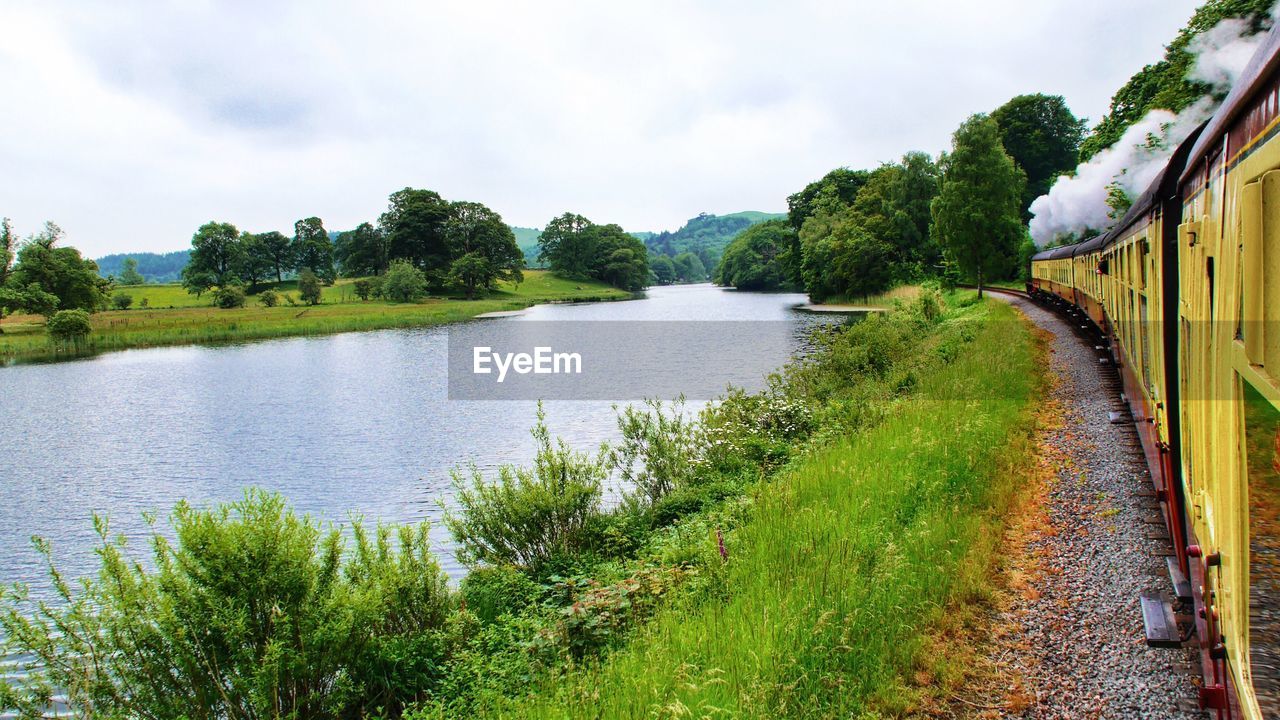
{"x":1229,"y":375}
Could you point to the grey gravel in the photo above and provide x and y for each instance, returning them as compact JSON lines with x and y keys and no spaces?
{"x":1080,"y":650}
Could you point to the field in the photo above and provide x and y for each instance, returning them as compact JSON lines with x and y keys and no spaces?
{"x":847,"y":561}
{"x":174,"y":317}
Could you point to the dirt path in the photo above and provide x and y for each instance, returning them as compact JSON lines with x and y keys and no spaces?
{"x":1065,"y":639}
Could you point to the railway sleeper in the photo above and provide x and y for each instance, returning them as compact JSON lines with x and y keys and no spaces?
{"x":1159,"y":623}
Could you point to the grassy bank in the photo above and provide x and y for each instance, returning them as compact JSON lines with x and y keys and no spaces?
{"x":833,"y":581}
{"x":174,"y":317}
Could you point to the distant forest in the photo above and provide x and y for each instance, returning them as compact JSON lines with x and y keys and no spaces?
{"x":155,"y":267}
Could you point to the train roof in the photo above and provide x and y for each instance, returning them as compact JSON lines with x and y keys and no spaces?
{"x":1067,"y":251}
{"x":1264,"y":62}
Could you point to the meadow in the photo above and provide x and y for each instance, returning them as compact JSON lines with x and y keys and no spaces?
{"x":172,"y":316}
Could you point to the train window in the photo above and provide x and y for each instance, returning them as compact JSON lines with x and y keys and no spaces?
{"x":1142,"y":263}
{"x":1208,"y":270}
{"x":1262,"y":459}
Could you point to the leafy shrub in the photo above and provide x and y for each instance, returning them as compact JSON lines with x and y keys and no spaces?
{"x":490,"y":592}
{"x":363,"y":288}
{"x":528,"y":516}
{"x":403,"y":282}
{"x":252,"y":612}
{"x":229,"y":297}
{"x":309,"y":287}
{"x":599,"y":614}
{"x":122,"y":301}
{"x":269,"y":298}
{"x":658,"y":450}
{"x":145,"y":303}
{"x":69,"y":327}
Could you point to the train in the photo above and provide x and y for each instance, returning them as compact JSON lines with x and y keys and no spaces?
{"x":1184,"y":291}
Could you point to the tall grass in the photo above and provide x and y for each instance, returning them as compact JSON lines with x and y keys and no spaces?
{"x":844,"y":563}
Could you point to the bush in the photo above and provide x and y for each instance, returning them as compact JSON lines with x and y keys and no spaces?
{"x":121,"y":301}
{"x":491,"y":592}
{"x":403,"y":282}
{"x":659,"y":449}
{"x":145,"y":303}
{"x":309,"y":287}
{"x":363,"y":288}
{"x":254,"y":611}
{"x":269,"y":298}
{"x":69,"y":327}
{"x":229,"y":297}
{"x":528,"y":517}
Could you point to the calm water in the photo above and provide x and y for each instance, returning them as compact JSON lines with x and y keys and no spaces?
{"x":358,"y":422}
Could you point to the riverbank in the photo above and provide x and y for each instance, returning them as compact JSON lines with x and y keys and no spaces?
{"x":173,"y":317}
{"x":838,"y":578}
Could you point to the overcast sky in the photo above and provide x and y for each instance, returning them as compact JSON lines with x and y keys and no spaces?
{"x":130,"y":124}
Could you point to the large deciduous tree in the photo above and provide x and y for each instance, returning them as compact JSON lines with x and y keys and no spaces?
{"x":566,"y":245}
{"x":977,"y":215}
{"x":129,"y":274}
{"x":414,"y":224}
{"x":215,"y":254}
{"x":45,"y":272}
{"x":482,"y":248}
{"x":255,"y":263}
{"x":754,"y":260}
{"x":1043,"y":138}
{"x":362,"y":251}
{"x":277,"y":248}
{"x":312,"y":249}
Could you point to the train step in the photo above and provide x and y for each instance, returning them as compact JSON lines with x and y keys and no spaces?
{"x":1117,"y":418}
{"x":1159,"y":623}
{"x":1181,"y":585}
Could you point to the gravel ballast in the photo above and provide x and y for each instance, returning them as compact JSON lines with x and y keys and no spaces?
{"x":1071,"y":643}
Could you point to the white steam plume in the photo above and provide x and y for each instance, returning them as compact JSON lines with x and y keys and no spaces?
{"x":1077,"y":203}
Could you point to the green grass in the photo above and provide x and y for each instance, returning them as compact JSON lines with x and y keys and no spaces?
{"x":845,"y":562}
{"x":193,"y":320}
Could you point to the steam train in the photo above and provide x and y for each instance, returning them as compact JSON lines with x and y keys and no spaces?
{"x":1185,"y":289}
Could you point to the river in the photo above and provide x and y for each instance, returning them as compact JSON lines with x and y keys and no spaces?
{"x":355,"y":422}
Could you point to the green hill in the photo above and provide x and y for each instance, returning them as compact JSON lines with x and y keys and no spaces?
{"x":706,"y":235}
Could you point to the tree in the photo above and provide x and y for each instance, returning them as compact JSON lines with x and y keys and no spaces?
{"x":43,"y":267}
{"x":473,"y":229}
{"x":198,"y":283}
{"x":977,"y":216}
{"x":363,"y":288}
{"x":129,"y":274}
{"x":312,"y":249}
{"x":363,"y":251}
{"x":121,"y":301}
{"x":414,"y":224}
{"x":471,"y":271}
{"x":918,"y":185}
{"x":309,"y":287}
{"x":255,"y":263}
{"x":8,"y":241}
{"x":1043,"y":138}
{"x":229,"y":297}
{"x":215,"y":250}
{"x":277,"y":249}
{"x":619,"y":258}
{"x":842,"y":259}
{"x":837,"y":188}
{"x":689,"y":267}
{"x":403,"y":282}
{"x":754,"y":260}
{"x":664,"y":271}
{"x":566,"y":246}
{"x":29,"y":299}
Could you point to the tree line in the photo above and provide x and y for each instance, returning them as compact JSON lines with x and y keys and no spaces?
{"x":459,"y":244}
{"x":855,"y":233}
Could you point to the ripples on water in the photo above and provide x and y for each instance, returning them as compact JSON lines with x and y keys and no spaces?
{"x":357,"y":422}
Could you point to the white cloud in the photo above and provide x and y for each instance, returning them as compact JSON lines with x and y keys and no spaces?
{"x":131,"y":125}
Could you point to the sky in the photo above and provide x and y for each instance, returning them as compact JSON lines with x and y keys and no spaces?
{"x":130,"y":124}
